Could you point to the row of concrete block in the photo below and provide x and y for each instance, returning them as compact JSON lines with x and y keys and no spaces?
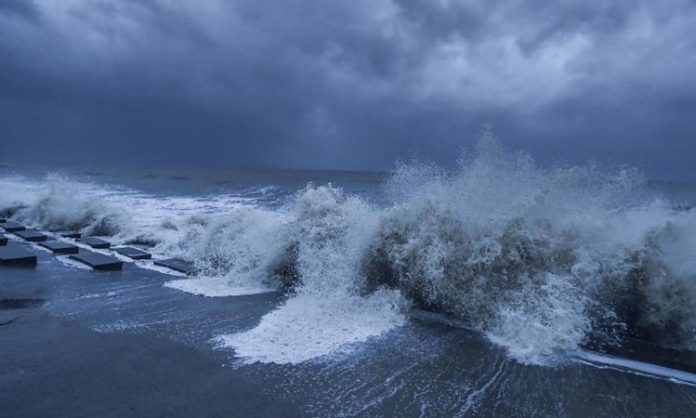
{"x":16,"y":255}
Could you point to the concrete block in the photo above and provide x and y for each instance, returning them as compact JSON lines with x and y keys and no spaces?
{"x":134,"y":253}
{"x":16,"y":255}
{"x":98,"y":261}
{"x":73,"y":235}
{"x":177,"y":264}
{"x":10,"y":226}
{"x":3,"y":240}
{"x":60,"y":247}
{"x":31,"y":235}
{"x":95,"y":242}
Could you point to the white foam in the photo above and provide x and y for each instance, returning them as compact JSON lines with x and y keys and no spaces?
{"x":150,"y":265}
{"x":544,"y":325}
{"x":306,"y":327}
{"x":636,"y":367}
{"x":110,"y":293}
{"x":66,"y":260}
{"x":216,"y":287}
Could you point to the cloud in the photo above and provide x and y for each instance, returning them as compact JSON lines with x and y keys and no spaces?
{"x":24,"y":9}
{"x":347,"y":84}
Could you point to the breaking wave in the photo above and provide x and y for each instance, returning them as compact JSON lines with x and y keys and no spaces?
{"x":542,"y":261}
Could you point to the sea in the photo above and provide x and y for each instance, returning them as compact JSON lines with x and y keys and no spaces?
{"x":499,"y":287}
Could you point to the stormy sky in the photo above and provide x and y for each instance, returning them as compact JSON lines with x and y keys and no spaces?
{"x":347,"y":84}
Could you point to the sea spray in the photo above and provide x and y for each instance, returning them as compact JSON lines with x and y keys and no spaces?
{"x":331,"y":234}
{"x":541,"y":260}
{"x":236,"y":253}
{"x":68,"y":206}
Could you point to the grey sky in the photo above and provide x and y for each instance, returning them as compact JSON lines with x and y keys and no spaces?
{"x":347,"y":84}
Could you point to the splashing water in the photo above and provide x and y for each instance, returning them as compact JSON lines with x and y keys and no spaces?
{"x":542,"y":261}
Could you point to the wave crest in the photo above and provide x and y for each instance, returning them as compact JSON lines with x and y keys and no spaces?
{"x":543,"y":261}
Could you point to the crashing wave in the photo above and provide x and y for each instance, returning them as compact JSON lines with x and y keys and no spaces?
{"x":64,"y":206}
{"x":543,"y":261}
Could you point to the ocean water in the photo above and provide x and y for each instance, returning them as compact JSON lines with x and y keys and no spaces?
{"x":418,"y":292}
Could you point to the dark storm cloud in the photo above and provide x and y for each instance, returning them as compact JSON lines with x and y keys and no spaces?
{"x":347,"y":84}
{"x":19,"y":8}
